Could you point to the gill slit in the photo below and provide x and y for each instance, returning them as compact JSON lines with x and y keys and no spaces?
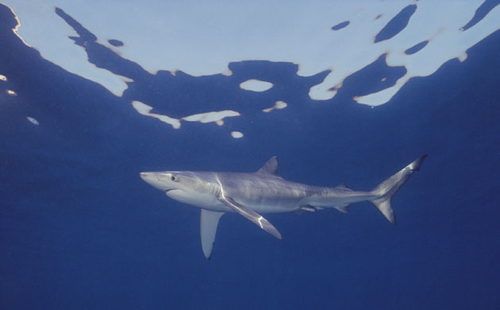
{"x":221,"y":189}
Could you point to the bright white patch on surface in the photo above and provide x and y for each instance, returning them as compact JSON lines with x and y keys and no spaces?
{"x":209,"y":117}
{"x":15,"y":30}
{"x":144,"y":109}
{"x":280,"y":105}
{"x":236,"y":134}
{"x":32,"y":120}
{"x":277,"y":106}
{"x":3,"y":78}
{"x":256,"y":85}
{"x":11,"y":92}
{"x":202,"y":38}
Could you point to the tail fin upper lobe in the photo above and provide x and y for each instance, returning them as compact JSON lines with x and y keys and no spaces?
{"x":387,"y":189}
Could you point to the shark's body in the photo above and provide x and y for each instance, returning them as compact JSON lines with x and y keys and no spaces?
{"x":253,"y":194}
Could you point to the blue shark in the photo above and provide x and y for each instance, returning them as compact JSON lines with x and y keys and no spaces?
{"x":265,"y":191}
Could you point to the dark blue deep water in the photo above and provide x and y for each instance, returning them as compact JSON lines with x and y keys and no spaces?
{"x":80,"y":230}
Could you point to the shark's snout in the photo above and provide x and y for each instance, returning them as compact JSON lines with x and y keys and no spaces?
{"x":148,"y":177}
{"x":155,"y":179}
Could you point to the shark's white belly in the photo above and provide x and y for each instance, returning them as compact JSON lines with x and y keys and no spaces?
{"x":259,"y":208}
{"x":271,"y":205}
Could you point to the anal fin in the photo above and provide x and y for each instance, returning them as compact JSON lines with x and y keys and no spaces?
{"x":343,"y":208}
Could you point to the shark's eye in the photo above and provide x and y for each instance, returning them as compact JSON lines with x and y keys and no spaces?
{"x":174,"y":178}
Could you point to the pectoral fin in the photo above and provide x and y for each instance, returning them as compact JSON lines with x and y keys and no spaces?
{"x":343,"y":208}
{"x":208,"y":229}
{"x":253,"y":216}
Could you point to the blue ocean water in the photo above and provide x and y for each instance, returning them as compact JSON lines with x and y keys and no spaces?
{"x":80,"y":230}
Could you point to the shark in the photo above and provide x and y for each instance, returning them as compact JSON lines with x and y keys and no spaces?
{"x":265,"y":191}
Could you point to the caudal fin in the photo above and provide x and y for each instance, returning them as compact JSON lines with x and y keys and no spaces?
{"x":387,"y":189}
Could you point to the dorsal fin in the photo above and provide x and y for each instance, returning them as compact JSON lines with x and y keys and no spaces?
{"x":343,"y":186}
{"x":270,"y":167}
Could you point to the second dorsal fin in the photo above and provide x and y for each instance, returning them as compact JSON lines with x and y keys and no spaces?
{"x":343,"y":186}
{"x":270,"y":167}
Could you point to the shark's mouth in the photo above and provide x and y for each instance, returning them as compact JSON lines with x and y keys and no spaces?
{"x":176,"y":193}
{"x":171,"y":190}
